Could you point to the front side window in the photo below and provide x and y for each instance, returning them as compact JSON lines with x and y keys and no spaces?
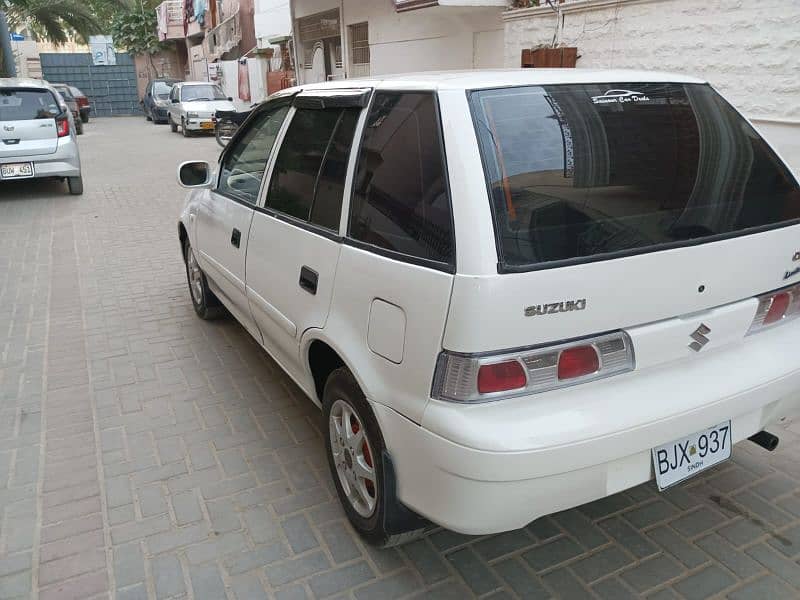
{"x":243,"y":165}
{"x":308,"y":178}
{"x":400,"y":199}
{"x":593,"y":170}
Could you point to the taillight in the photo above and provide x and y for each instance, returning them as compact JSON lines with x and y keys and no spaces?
{"x":578,"y":362}
{"x":83,"y":101}
{"x":501,"y":377}
{"x":469,"y":378}
{"x":776,"y":307}
{"x":62,"y":126}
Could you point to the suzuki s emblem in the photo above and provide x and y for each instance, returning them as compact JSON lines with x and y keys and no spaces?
{"x":699,"y":337}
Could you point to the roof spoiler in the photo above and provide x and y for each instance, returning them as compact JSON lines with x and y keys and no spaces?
{"x":333,"y":98}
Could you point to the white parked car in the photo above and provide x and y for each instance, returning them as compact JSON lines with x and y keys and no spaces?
{"x":194,"y":104}
{"x":37,"y":134}
{"x":507,"y":299}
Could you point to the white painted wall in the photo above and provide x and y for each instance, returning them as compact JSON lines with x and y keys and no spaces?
{"x":426,"y":39}
{"x":271,"y":18}
{"x":749,"y":50}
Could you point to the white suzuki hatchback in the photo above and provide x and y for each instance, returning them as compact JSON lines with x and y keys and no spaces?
{"x":510,"y":292}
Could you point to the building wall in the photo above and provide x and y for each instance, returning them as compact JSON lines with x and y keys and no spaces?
{"x":165,"y":63}
{"x":247,"y":23}
{"x":272,"y":18}
{"x":750,"y":51}
{"x":419,"y":40}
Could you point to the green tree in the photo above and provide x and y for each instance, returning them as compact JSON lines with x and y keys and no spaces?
{"x":134,"y":30}
{"x":54,"y":20}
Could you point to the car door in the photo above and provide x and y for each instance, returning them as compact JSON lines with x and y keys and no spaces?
{"x":294,"y":242}
{"x":147,"y":101}
{"x":226,"y":211}
{"x":173,"y":103}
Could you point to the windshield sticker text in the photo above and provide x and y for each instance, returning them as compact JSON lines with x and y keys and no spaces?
{"x":620,"y":97}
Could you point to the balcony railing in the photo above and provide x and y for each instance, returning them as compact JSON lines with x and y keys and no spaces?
{"x":224,"y":37}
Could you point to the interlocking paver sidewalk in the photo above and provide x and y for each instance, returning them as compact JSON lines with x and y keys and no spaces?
{"x":147,"y":454}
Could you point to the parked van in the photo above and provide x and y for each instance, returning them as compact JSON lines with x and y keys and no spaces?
{"x":510,"y":292}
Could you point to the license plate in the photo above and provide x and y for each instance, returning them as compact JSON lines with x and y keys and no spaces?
{"x":16,"y":170}
{"x":684,"y":458}
{"x":207,"y":125}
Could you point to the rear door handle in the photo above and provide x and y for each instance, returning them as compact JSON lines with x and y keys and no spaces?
{"x":236,"y":237}
{"x":308,"y":280}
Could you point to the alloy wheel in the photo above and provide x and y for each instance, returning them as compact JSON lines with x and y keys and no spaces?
{"x":353,"y":457}
{"x":195,"y":277}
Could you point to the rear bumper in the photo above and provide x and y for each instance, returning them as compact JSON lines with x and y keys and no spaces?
{"x":64,"y":162}
{"x":477,"y":491}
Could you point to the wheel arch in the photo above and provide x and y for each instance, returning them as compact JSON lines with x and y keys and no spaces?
{"x":183,"y":237}
{"x":322,"y":357}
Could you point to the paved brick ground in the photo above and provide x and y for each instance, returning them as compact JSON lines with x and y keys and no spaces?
{"x":147,"y":454}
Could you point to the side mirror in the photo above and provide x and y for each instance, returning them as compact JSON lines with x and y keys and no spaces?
{"x":174,"y":100}
{"x":230,"y":99}
{"x":194,"y":174}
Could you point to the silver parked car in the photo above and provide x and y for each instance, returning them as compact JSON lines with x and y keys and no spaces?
{"x":37,"y":131}
{"x":193,"y":106}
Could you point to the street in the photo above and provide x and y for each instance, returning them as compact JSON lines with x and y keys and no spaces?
{"x":145,"y":453}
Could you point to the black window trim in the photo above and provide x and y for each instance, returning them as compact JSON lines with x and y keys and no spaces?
{"x":239,"y":132}
{"x":446,"y":267}
{"x":503,"y":268}
{"x":292,"y":220}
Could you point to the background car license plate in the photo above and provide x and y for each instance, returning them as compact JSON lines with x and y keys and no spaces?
{"x":16,"y":170}
{"x":681,"y":459}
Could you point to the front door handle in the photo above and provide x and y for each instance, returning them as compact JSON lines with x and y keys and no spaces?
{"x":236,"y":237}
{"x":308,"y":280}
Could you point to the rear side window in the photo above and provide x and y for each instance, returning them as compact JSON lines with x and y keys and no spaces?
{"x":26,"y":105}
{"x":596,"y":170}
{"x":308,"y":177}
{"x":400,"y":199}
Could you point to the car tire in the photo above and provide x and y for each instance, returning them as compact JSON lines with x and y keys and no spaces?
{"x":75,"y":185}
{"x":172,"y":126}
{"x":347,"y":414}
{"x":85,"y":117}
{"x":186,"y":132}
{"x":79,"y":127}
{"x":147,"y":117}
{"x":206,"y":304}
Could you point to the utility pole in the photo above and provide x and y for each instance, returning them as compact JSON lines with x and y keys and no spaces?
{"x":9,"y":66}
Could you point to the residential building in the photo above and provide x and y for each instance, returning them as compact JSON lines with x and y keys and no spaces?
{"x":204,"y":31}
{"x":335,"y":39}
{"x":747,"y":50}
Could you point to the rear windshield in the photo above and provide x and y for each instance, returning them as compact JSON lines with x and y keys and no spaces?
{"x":594,"y":170}
{"x":24,"y":105}
{"x":65,"y":92}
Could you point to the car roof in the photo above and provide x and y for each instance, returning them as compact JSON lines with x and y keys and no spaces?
{"x":185,"y":83}
{"x":23,"y":82}
{"x":495,"y":78}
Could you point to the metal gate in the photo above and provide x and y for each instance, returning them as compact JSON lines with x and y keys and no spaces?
{"x":111,"y":88}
